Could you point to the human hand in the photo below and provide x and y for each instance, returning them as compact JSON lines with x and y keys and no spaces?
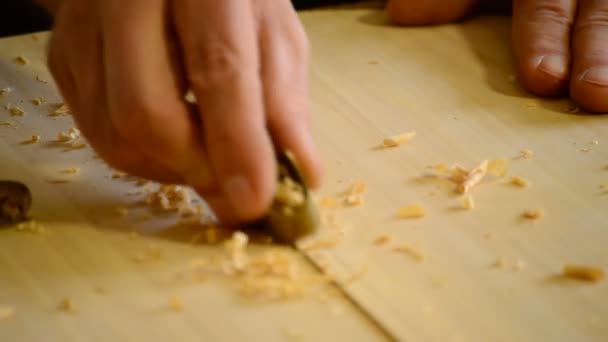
{"x":560,"y":46}
{"x":124,"y":67}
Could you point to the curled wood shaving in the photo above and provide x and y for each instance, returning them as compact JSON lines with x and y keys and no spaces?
{"x":37,"y":101}
{"x":396,"y":140}
{"x":474,"y":177}
{"x":583,"y":272}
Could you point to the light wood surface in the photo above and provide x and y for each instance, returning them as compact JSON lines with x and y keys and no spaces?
{"x":452,"y":85}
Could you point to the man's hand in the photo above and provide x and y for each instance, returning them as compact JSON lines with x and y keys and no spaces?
{"x":124,"y":66}
{"x":559,"y":45}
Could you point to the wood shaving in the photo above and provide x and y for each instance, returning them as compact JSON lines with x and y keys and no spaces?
{"x":118,"y":174}
{"x":7,"y":124}
{"x":71,"y":170}
{"x":526,"y":154}
{"x":122,"y":211}
{"x":396,"y":140}
{"x":37,"y":101}
{"x":71,"y":135}
{"x":354,"y":196}
{"x":411,"y":211}
{"x":21,"y":60}
{"x":573,"y":109}
{"x":41,"y":80}
{"x":32,"y":227}
{"x":474,"y":177}
{"x":499,"y":263}
{"x":5,"y":91}
{"x":354,"y":200}
{"x":57,"y":181}
{"x":101,"y":290}
{"x":6,"y":312}
{"x":467,"y":202}
{"x":583,"y":272}
{"x":411,"y":252}
{"x":328,"y":203}
{"x":440,"y":168}
{"x":319,"y":243}
{"x":520,"y":182}
{"x":61,"y":109}
{"x":67,"y":305}
{"x":176,"y":304}
{"x":151,"y":253}
{"x":289,"y":194}
{"x":534,"y":214}
{"x":32,"y":140}
{"x":77,"y":145}
{"x":383,"y":240}
{"x":174,"y":198}
{"x":498,"y":167}
{"x":16,"y":111}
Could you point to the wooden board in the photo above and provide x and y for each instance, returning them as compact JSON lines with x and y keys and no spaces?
{"x":452,"y":85}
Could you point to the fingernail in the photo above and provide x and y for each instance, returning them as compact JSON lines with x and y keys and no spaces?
{"x":553,"y":65}
{"x":596,"y":75}
{"x":239,"y":193}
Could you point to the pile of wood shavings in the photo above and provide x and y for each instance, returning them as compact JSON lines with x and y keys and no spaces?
{"x":175,"y":198}
{"x":269,"y":275}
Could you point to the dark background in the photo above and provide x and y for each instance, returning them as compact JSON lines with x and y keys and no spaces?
{"x":23,"y":16}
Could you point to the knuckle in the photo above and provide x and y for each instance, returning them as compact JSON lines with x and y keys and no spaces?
{"x":551,"y":11}
{"x":131,"y":117}
{"x":598,"y":18}
{"x":210,"y":63}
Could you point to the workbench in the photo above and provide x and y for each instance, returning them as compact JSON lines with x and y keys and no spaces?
{"x":484,"y":274}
